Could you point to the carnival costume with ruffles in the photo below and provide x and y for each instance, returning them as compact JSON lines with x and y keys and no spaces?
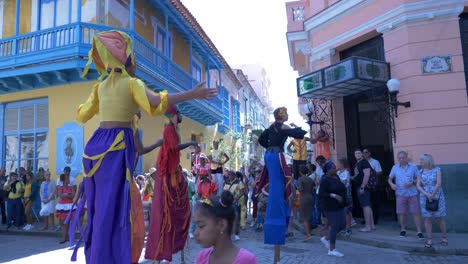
{"x":277,"y":176}
{"x":114,"y":232}
{"x":170,"y":212}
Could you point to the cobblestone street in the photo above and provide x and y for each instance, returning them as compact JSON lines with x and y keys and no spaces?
{"x":19,"y":249}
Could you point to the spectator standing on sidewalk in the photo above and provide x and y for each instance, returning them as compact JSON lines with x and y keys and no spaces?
{"x":430,"y":185}
{"x":30,"y":194}
{"x":345,"y":177}
{"x":405,"y":176}
{"x":3,"y":195}
{"x":362,"y":177}
{"x":47,"y":194}
{"x":15,"y":189}
{"x":374,"y":193}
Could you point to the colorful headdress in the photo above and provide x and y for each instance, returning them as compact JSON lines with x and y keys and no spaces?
{"x":111,"y":49}
{"x":171,"y":110}
{"x":280,"y":113}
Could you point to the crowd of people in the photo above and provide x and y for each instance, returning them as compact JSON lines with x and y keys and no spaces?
{"x":209,"y":202}
{"x":322,"y":196}
{"x":21,"y":189}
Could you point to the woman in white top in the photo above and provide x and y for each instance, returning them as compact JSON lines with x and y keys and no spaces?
{"x":345,"y":177}
{"x":47,"y":193}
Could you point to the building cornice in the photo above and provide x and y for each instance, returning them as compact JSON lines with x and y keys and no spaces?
{"x":294,"y":36}
{"x":331,"y":13}
{"x":391,"y":19}
{"x":425,"y":15}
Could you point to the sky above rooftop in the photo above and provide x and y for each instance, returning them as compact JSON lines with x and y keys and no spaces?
{"x":253,"y":32}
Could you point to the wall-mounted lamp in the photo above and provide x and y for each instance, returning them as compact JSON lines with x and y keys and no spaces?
{"x":393,"y":86}
{"x":307,"y":109}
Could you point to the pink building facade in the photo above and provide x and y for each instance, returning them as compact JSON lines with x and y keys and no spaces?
{"x":346,"y":51}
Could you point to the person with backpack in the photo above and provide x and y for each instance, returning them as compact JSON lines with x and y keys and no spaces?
{"x":375,"y":193}
{"x":366,"y":180}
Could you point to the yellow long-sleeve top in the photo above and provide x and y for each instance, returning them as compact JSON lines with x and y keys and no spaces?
{"x":118,"y":98}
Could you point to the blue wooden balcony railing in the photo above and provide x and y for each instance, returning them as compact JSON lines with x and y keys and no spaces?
{"x":73,"y":41}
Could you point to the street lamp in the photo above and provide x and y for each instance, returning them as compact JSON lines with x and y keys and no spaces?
{"x":393,"y":86}
{"x":307,"y":109}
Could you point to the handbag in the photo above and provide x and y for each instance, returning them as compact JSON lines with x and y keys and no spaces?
{"x":432,"y":206}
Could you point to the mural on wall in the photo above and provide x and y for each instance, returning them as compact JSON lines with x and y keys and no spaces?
{"x":69,"y":148}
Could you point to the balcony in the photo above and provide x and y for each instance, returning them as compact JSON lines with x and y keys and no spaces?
{"x":350,"y":76}
{"x":57,"y":56}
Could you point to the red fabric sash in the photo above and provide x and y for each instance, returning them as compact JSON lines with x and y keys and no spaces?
{"x":264,"y":180}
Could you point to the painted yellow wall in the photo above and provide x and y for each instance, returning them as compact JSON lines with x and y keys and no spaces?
{"x":25,"y":17}
{"x":9,"y":15}
{"x":181,"y":52}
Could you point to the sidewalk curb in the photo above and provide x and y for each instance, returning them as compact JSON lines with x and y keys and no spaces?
{"x":30,"y":233}
{"x":412,"y":249}
{"x":438,"y":250}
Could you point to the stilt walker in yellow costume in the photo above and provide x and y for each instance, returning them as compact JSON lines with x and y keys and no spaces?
{"x":108,"y":159}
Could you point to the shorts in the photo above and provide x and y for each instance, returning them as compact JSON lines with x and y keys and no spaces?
{"x":364,"y":199}
{"x":405,"y":204}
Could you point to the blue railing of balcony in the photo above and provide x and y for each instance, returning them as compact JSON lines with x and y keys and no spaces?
{"x":73,"y":40}
{"x":80,"y":35}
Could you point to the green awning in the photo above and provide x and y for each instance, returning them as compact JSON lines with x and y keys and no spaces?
{"x":350,"y":76}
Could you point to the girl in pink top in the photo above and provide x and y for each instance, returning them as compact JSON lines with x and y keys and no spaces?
{"x":214,"y":219}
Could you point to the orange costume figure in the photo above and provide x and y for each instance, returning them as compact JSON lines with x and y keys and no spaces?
{"x":322,"y":142}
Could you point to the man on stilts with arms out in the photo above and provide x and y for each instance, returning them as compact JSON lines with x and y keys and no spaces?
{"x":170,"y":212}
{"x":276,"y":173}
{"x":109,"y":155}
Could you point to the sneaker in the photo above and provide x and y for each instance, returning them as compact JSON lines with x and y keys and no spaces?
{"x":420,"y":235}
{"x":335,"y":253}
{"x":252,"y":224}
{"x":353,"y":222}
{"x":403,"y":233}
{"x":236,"y":238}
{"x":190,"y":235}
{"x":325,"y":242}
{"x":26,"y":227}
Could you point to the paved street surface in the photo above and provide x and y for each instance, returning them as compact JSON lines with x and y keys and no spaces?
{"x":19,"y":249}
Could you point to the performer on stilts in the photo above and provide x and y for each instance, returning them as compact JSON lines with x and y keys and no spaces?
{"x":109,"y":155}
{"x":277,"y":174}
{"x":170,"y":212}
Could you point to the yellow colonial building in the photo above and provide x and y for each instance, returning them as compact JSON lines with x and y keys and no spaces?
{"x":43,"y":48}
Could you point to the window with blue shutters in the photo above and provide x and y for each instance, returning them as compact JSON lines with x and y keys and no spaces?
{"x":226,"y":111}
{"x":25,"y":135}
{"x":236,"y":116}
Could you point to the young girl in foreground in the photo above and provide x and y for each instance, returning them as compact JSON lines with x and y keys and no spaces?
{"x":214,"y":219}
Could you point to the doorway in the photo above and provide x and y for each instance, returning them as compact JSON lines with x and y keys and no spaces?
{"x":367,"y":126}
